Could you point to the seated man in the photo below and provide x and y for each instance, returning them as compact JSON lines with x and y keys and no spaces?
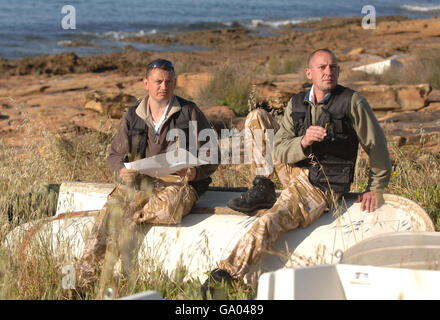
{"x":138,"y":198}
{"x":316,"y":147}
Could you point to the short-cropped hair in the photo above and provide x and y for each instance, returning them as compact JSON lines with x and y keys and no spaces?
{"x":320,"y":50}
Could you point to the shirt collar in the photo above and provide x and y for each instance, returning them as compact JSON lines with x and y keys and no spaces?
{"x":310,"y":96}
{"x":159,"y":123}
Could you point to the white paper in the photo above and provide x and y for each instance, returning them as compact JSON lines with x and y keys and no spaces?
{"x":165,"y":163}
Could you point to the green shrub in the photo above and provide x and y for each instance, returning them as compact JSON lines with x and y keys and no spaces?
{"x":230,"y":87}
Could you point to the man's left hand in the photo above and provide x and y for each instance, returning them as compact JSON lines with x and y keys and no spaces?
{"x":370,"y":200}
{"x":188,"y":172}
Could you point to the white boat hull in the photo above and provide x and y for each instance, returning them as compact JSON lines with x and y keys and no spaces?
{"x":209,"y":233}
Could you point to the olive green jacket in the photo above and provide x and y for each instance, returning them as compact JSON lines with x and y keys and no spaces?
{"x":370,"y":135}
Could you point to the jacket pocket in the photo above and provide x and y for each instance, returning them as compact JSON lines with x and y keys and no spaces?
{"x":338,"y":120}
{"x":298,"y":123}
{"x":337,"y":175}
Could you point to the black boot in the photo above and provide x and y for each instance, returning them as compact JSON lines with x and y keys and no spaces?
{"x":261,"y":196}
{"x":216,"y":278}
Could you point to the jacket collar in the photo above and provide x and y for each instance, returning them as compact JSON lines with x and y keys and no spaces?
{"x":143,"y":109}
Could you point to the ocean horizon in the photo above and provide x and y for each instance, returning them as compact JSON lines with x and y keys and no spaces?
{"x":29,"y":29}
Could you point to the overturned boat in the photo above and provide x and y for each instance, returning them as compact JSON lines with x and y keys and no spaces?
{"x":211,"y":230}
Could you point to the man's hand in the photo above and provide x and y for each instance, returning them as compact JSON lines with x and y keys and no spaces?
{"x":313,"y":134}
{"x":370,"y":200}
{"x":128,"y":175}
{"x":189,"y":172}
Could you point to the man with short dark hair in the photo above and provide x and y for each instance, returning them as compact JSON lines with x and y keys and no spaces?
{"x":142,"y":133}
{"x":316,"y":146}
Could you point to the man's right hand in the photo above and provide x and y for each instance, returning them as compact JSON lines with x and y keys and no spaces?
{"x":128,"y":175}
{"x":313,"y":134}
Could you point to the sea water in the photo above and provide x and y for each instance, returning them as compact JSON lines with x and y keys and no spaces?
{"x":31,"y":28}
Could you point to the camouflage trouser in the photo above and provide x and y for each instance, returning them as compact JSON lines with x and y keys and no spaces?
{"x":126,"y":209}
{"x":299,"y":204}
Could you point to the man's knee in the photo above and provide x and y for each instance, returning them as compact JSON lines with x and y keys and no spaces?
{"x":260,"y":119}
{"x":258,"y":112}
{"x":168,"y":206}
{"x":257,"y":119}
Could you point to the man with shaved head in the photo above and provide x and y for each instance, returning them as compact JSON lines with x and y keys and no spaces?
{"x":316,"y":146}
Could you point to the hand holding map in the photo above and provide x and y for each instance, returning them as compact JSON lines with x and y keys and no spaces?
{"x":165,"y":163}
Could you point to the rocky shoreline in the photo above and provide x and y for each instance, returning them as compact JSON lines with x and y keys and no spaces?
{"x":64,"y":90}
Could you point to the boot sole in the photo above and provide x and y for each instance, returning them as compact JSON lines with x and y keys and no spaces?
{"x":248,"y":210}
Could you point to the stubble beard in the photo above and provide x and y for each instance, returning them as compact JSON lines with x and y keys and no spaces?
{"x":327,"y":87}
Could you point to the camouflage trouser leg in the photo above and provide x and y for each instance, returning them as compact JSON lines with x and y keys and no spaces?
{"x":257,"y":126}
{"x":299,"y":204}
{"x":261,"y":120}
{"x":167,"y":204}
{"x":120,"y":203}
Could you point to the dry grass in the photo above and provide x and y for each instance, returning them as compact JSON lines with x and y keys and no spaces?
{"x":415,"y":175}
